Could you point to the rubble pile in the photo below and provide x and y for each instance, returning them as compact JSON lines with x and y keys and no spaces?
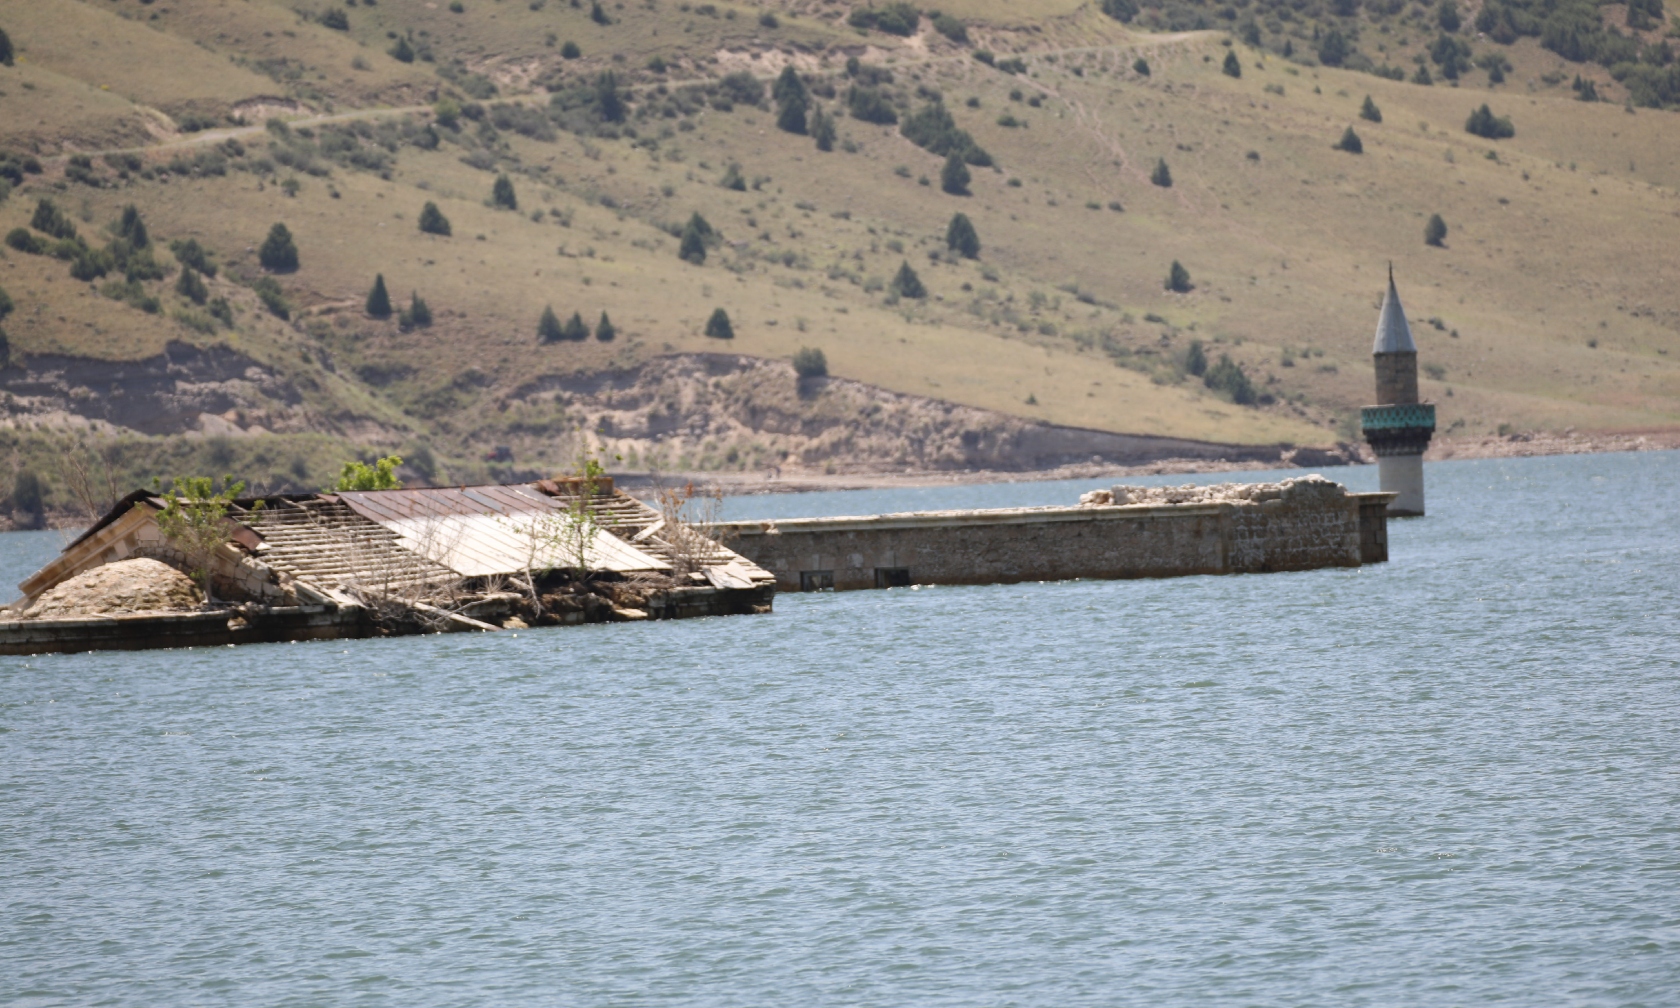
{"x":1301,"y":488}
{"x":140,"y":585}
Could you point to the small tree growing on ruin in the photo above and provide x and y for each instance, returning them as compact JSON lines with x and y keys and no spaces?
{"x":382,"y":475}
{"x":432,"y":220}
{"x":279,"y":253}
{"x":961,"y":238}
{"x":718,"y":326}
{"x":502,"y":194}
{"x":1178,"y":279}
{"x":194,"y":520}
{"x":378,"y":299}
{"x":1435,"y":232}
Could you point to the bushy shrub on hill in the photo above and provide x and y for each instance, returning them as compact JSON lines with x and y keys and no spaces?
{"x":894,"y":18}
{"x":1228,"y":377}
{"x":954,"y":177}
{"x":870,"y":105}
{"x":279,"y":253}
{"x":932,"y":129}
{"x":432,"y":220}
{"x":50,"y":220}
{"x":1484,"y":123}
{"x":952,"y":28}
{"x":719,"y":326}
{"x":810,"y":362}
{"x":961,"y":238}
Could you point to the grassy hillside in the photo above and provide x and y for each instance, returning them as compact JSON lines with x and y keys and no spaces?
{"x":1549,"y":305}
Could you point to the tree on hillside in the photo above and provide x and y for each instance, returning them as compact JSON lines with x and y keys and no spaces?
{"x":733,"y":179}
{"x":1435,"y":232}
{"x":1485,"y":124}
{"x":49,"y":219}
{"x":132,"y":229}
{"x":378,"y":300}
{"x":191,"y":286}
{"x":1195,"y":359}
{"x":1369,"y":111}
{"x":432,"y":220}
{"x":1447,"y":16}
{"x":1422,"y":76}
{"x":604,"y":330}
{"x":1233,"y":66}
{"x":1178,"y":279}
{"x":1333,"y":50}
{"x":1120,"y":10}
{"x":1141,"y":67}
{"x":792,"y":101}
{"x":575,"y":329}
{"x":278,"y":253}
{"x":954,"y":177}
{"x":548,"y":327}
{"x":597,"y":15}
{"x":401,"y":50}
{"x":1161,"y":176}
{"x":1228,"y":377}
{"x":1350,"y":142}
{"x":810,"y":362}
{"x":822,"y":129}
{"x":190,"y":253}
{"x":906,"y":284}
{"x":569,"y":50}
{"x":961,"y":237}
{"x":417,"y":314}
{"x":502,"y":194}
{"x":718,"y":327}
{"x":5,"y":48}
{"x":609,"y":101}
{"x":696,"y":235}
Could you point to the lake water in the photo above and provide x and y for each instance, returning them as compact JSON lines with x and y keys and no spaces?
{"x":1451,"y":779}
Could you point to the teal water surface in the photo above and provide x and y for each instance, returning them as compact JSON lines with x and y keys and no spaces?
{"x":1446,"y":780}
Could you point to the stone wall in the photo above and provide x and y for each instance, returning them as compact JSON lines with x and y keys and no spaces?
{"x":1297,"y":525}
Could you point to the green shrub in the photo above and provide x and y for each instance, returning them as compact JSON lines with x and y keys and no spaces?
{"x":1369,"y":111}
{"x":569,"y":50}
{"x":810,"y":362}
{"x":954,"y":177}
{"x":189,"y":252}
{"x":401,"y":51}
{"x":1228,"y":377}
{"x":24,"y":240}
{"x":932,"y":129}
{"x":1195,"y":359}
{"x":871,"y":106}
{"x":1350,"y":142}
{"x":961,"y":238}
{"x":742,"y":88}
{"x":822,"y":129}
{"x":278,"y":253}
{"x":604,"y":331}
{"x":906,"y":284}
{"x":597,"y":15}
{"x":432,"y":220}
{"x":718,"y":326}
{"x":49,"y":219}
{"x":1162,"y":175}
{"x":1178,"y":279}
{"x":951,"y":27}
{"x":381,"y":475}
{"x":6,"y":55}
{"x":1485,"y":124}
{"x":191,"y":286}
{"x":792,"y":100}
{"x":334,"y":18}
{"x":417,"y":315}
{"x":1141,"y":67}
{"x":1122,"y":11}
{"x":549,"y":329}
{"x":1435,"y":232}
{"x":733,"y":179}
{"x":502,"y":194}
{"x":574,"y":329}
{"x":768,"y":20}
{"x":132,"y":229}
{"x":697,"y":234}
{"x":273,"y":298}
{"x":1333,"y":49}
{"x":378,"y":299}
{"x":1232,"y":66}
{"x":894,"y":18}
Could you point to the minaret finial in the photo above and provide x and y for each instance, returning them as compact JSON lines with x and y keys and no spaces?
{"x":1391,"y":271}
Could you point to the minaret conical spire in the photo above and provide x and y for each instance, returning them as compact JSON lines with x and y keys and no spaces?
{"x":1393,"y":334}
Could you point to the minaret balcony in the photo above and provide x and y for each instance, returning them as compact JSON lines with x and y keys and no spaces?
{"x":1399,"y":428}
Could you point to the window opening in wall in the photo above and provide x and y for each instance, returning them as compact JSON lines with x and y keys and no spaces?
{"x":892,"y":577}
{"x":810,"y":581}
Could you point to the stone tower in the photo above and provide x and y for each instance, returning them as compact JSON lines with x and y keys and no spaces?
{"x":1399,"y":427}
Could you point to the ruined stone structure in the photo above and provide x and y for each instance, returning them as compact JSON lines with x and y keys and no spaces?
{"x":1127,"y":532}
{"x":1399,"y":427}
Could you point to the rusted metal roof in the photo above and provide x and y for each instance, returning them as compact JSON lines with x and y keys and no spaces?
{"x":483,"y":530}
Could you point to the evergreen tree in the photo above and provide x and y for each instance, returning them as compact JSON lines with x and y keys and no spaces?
{"x":718,"y":327}
{"x":1195,"y":359}
{"x":1350,"y":142}
{"x":1484,"y":123}
{"x":569,"y":50}
{"x":695,"y":235}
{"x":1161,"y":176}
{"x":1141,"y":67}
{"x":604,"y":330}
{"x":1228,"y":377}
{"x":432,"y":220}
{"x":1233,"y":66}
{"x":548,"y":327}
{"x":1422,"y":76}
{"x":609,"y":102}
{"x":822,"y":129}
{"x":502,"y":194}
{"x":906,"y":284}
{"x":378,"y":301}
{"x":132,"y":229}
{"x":792,"y":100}
{"x":278,"y":253}
{"x":1435,"y":232}
{"x":597,"y":15}
{"x":402,"y":52}
{"x":961,"y":238}
{"x":191,"y":286}
{"x":954,"y":178}
{"x":1333,"y":49}
{"x":419,"y":313}
{"x":733,"y":179}
{"x":49,"y":219}
{"x":6,"y":56}
{"x":1178,"y":279}
{"x":1369,"y":111}
{"x":810,"y":362}
{"x":191,"y":253}
{"x":575,"y":329}
{"x":1447,"y":15}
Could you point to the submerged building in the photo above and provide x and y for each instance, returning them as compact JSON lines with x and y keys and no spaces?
{"x":1398,"y":427}
{"x":380,"y":563}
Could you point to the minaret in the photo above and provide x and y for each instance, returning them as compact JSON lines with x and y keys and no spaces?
{"x":1399,"y":427}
